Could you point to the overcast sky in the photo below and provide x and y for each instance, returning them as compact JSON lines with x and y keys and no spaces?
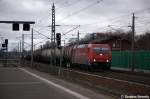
{"x":92,"y":15}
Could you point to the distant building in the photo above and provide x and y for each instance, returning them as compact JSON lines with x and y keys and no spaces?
{"x":116,"y":43}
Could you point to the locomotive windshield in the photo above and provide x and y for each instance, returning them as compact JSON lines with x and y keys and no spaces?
{"x":101,"y":50}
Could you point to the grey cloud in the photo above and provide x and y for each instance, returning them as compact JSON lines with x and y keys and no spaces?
{"x":40,"y":11}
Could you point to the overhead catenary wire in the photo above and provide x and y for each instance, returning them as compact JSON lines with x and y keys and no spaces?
{"x":68,"y":5}
{"x":78,"y":11}
{"x":114,"y":20}
{"x":119,"y":18}
{"x":41,"y":34}
{"x":71,"y":30}
{"x":28,"y":45}
{"x":92,"y":23}
{"x":142,"y":10}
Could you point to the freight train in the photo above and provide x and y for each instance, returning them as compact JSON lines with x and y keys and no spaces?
{"x":89,"y":56}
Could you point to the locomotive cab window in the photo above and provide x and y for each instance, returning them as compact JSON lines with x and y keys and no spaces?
{"x":101,"y":50}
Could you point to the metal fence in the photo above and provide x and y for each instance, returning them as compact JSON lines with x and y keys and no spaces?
{"x":9,"y":59}
{"x":122,"y":59}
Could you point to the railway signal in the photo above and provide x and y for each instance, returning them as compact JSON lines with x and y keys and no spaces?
{"x":58,"y":39}
{"x":15,"y":27}
{"x":26,"y":27}
{"x":3,"y":45}
{"x":6,"y":41}
{"x":15,"y":24}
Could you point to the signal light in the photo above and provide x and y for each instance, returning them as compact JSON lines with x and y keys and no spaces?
{"x":6,"y":41}
{"x":3,"y":45}
{"x":58,"y":39}
{"x":26,"y":27}
{"x":15,"y":27}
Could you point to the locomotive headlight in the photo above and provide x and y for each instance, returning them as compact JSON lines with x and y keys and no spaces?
{"x":107,"y":60}
{"x":94,"y":60}
{"x":101,"y":54}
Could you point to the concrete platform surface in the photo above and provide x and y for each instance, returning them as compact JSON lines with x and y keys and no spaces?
{"x":26,"y":83}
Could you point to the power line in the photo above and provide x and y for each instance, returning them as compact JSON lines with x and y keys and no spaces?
{"x":41,"y":34}
{"x":142,"y":10}
{"x":69,"y":5}
{"x":114,"y":19}
{"x":28,"y":45}
{"x":118,"y":18}
{"x":71,"y":30}
{"x":76,"y":12}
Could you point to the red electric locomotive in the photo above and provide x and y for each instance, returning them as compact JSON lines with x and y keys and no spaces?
{"x":91,"y":55}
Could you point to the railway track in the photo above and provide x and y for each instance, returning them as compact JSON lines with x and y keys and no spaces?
{"x":127,"y":76}
{"x":115,"y":82}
